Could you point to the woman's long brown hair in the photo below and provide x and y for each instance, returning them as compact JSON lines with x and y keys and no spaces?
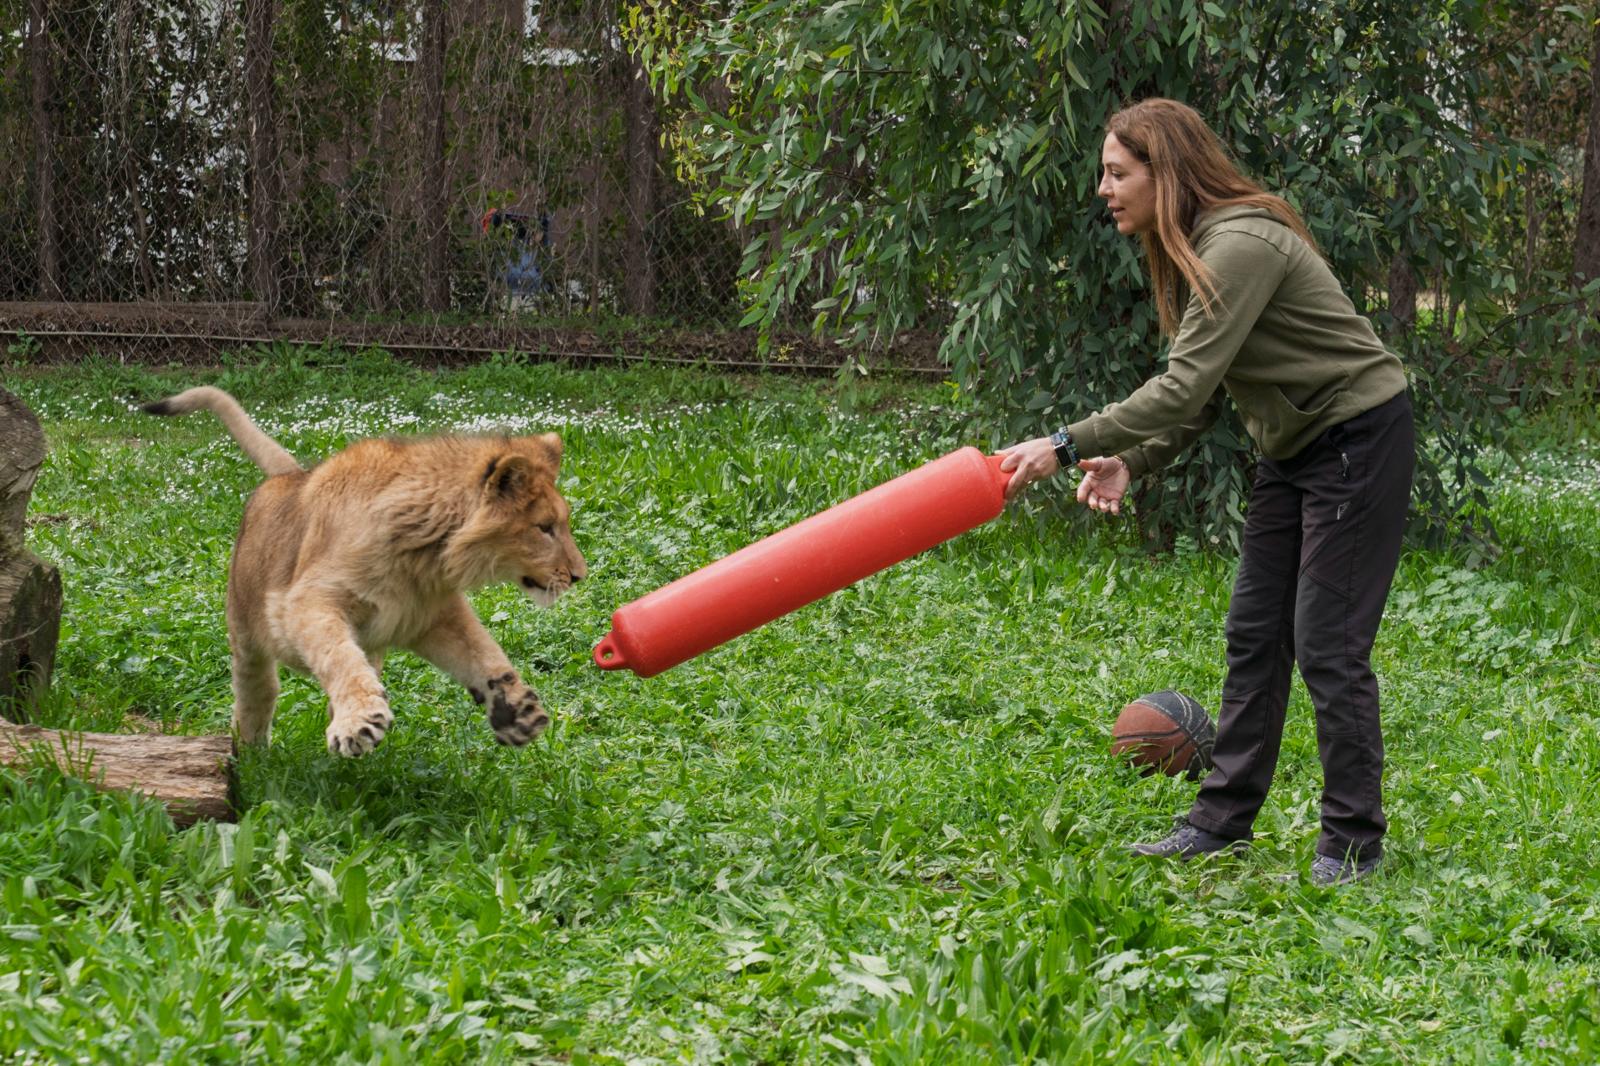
{"x":1192,"y":174}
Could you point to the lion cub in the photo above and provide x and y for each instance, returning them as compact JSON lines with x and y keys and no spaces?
{"x":371,"y":549}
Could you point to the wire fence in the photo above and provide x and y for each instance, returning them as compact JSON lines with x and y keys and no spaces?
{"x":467,"y":162}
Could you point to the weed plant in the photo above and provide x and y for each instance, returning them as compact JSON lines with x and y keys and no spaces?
{"x":885,"y":828}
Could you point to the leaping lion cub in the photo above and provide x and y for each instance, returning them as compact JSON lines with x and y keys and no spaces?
{"x":372,"y":549}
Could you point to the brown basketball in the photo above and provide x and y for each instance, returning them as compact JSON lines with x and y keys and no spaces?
{"x":1165,"y":731}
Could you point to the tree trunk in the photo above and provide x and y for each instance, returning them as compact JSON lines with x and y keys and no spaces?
{"x":1402,"y":294}
{"x":434,"y":206}
{"x":1532,"y":220}
{"x":266,"y":180}
{"x":50,"y":285}
{"x":643,"y":138}
{"x":193,"y":776}
{"x":127,"y":91}
{"x":1586,"y":242}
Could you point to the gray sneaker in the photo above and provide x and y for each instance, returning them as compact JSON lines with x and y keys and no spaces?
{"x":1328,"y":872}
{"x":1186,"y":841}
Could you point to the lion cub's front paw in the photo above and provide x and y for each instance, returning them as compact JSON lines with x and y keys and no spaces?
{"x":357,"y":731}
{"x":514,"y":711}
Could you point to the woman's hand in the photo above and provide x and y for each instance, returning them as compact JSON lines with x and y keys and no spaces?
{"x":1031,"y":460}
{"x":1105,"y":482}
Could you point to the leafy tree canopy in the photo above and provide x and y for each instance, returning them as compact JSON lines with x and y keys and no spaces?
{"x":915,"y":163}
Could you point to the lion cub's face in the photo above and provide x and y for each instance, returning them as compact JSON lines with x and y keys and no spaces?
{"x":520,"y":531}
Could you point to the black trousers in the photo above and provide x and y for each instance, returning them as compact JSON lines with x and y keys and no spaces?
{"x":1321,"y":542}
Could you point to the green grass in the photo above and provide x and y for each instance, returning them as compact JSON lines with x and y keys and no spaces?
{"x":883,"y":829}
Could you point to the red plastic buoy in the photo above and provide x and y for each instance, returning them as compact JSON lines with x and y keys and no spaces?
{"x":805,"y":562}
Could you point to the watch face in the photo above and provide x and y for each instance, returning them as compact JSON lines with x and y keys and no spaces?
{"x":1066,"y":454}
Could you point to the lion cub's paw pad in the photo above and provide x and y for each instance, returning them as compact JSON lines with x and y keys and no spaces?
{"x":359,"y":733}
{"x":517,"y":717}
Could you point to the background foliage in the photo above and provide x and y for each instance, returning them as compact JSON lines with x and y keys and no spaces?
{"x":146,"y":123}
{"x":935,"y":163}
{"x":887,"y":166}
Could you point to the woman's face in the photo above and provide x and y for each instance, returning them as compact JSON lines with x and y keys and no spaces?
{"x":1128,"y":188}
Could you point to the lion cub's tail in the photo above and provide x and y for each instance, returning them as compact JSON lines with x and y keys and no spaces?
{"x":265,"y":452}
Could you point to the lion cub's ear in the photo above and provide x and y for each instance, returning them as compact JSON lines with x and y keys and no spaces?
{"x":506,"y":475}
{"x":553,"y":442}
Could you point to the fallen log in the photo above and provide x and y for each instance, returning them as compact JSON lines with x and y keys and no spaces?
{"x":193,"y":776}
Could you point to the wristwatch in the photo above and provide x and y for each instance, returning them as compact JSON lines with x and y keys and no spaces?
{"x":1066,"y":451}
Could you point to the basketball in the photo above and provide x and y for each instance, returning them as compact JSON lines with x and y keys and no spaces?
{"x":1165,"y":731}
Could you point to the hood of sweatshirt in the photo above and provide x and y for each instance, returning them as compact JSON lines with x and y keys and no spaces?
{"x":1229,"y":213}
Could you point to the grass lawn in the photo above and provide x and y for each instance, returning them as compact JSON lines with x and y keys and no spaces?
{"x":883,"y":829}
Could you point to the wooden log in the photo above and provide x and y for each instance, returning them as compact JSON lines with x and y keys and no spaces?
{"x":30,"y":588}
{"x":194,"y":776}
{"x":30,"y":626}
{"x":22,"y":452}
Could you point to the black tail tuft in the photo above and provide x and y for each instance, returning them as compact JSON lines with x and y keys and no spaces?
{"x":159,"y":407}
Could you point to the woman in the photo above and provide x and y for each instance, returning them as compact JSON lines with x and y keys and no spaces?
{"x":1254,"y":312}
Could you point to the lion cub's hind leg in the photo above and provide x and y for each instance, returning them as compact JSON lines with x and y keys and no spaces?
{"x":458,"y":644}
{"x":255,"y":694}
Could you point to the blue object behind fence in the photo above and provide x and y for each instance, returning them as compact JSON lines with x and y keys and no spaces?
{"x":520,"y":268}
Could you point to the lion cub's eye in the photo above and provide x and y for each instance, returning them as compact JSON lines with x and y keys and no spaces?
{"x":547,"y":529}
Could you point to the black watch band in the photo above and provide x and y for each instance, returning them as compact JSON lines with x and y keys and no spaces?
{"x":1066,"y":451}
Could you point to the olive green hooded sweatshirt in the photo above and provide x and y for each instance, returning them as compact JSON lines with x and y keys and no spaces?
{"x":1283,"y":340}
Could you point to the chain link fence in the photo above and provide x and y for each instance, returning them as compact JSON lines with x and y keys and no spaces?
{"x":468,"y":163}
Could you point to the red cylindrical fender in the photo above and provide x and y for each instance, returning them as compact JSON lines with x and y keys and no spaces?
{"x":805,"y":562}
